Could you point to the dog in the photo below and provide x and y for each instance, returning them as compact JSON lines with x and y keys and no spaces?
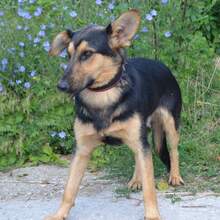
{"x":116,"y":99}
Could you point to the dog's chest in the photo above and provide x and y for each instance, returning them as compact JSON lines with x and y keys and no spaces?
{"x":100,"y":113}
{"x":100,"y":118}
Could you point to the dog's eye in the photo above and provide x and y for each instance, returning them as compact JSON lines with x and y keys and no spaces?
{"x":86,"y":55}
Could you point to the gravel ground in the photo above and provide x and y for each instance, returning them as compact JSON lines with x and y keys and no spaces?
{"x":33,"y":192}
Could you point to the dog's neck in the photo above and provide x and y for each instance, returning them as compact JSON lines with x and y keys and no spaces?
{"x":111,"y":75}
{"x":107,"y":94}
{"x":110,"y":83}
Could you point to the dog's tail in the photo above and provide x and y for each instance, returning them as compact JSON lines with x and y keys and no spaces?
{"x":164,"y":153}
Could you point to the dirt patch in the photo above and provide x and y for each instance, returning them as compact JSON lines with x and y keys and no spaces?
{"x":46,"y":182}
{"x":32,"y":193}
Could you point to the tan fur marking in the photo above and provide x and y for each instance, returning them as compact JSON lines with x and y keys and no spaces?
{"x":101,"y":99}
{"x":71,"y":48}
{"x":60,"y":42}
{"x":124,"y":28}
{"x":124,"y":130}
{"x":107,"y":72}
{"x":82,"y":47}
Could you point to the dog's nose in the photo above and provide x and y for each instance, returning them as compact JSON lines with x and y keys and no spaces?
{"x":63,"y":85}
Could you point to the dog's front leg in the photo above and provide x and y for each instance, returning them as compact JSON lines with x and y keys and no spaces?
{"x":85,"y":146}
{"x":150,"y":198}
{"x":76,"y":173}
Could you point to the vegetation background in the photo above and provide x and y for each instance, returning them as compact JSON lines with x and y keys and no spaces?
{"x":36,"y":120}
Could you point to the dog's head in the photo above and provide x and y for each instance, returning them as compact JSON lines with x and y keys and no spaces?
{"x":94,"y":52}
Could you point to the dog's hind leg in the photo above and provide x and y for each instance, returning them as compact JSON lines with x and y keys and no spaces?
{"x":159,"y":140}
{"x":172,"y":136}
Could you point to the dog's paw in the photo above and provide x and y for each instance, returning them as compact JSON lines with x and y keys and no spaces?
{"x":54,"y":217}
{"x":175,"y":180}
{"x":135,"y":184}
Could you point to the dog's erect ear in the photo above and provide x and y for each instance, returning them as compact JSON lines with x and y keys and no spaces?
{"x":60,"y":42}
{"x":122,"y":30}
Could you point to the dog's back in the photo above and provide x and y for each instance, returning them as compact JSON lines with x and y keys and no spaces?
{"x":153,"y":86}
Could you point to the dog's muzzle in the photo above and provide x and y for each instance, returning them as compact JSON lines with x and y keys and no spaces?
{"x":63,"y":85}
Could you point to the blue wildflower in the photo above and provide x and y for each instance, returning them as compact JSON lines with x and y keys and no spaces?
{"x":27,"y":85}
{"x":111,"y":6}
{"x":4,"y":64}
{"x":43,"y":27}
{"x":46,"y":46}
{"x":153,"y":13}
{"x":18,"y":81}
{"x":167,"y":34}
{"x":62,"y":134}
{"x":149,"y":17}
{"x":73,"y":14}
{"x":20,"y":1}
{"x":21,"y":44}
{"x":63,"y":54}
{"x":144,"y":29}
{"x":2,"y":13}
{"x":31,"y":1}
{"x":41,"y":33}
{"x":1,"y":88}
{"x":33,"y":73}
{"x":4,"y":61}
{"x":24,"y":14}
{"x":36,"y":40}
{"x":98,"y":2}
{"x":164,"y":1}
{"x":38,"y":12}
{"x":21,"y":69}
{"x":29,"y":37}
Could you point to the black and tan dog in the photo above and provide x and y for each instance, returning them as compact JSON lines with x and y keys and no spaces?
{"x":116,"y":99}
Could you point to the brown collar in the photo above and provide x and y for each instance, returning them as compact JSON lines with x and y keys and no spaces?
{"x":113,"y":82}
